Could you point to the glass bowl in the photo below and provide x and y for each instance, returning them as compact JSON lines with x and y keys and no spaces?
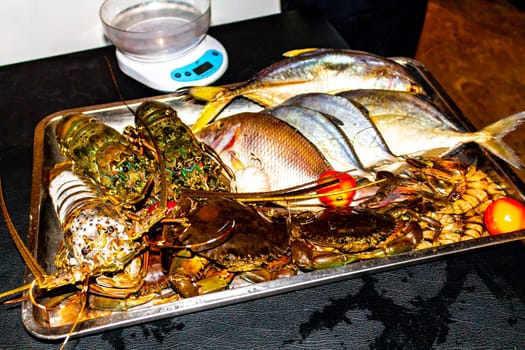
{"x":155,"y":30}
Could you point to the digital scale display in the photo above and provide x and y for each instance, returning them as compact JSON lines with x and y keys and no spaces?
{"x":203,"y":68}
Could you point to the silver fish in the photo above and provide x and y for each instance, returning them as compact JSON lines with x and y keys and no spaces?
{"x":323,"y":131}
{"x":420,"y":129}
{"x":366,"y":141}
{"x":267,"y":143}
{"x":377,"y":102}
{"x":308,"y":70}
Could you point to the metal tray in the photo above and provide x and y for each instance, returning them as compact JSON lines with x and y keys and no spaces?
{"x":45,"y":233}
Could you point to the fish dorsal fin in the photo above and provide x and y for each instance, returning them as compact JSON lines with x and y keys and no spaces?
{"x":298,"y":52}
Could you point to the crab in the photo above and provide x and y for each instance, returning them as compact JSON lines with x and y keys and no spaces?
{"x":226,"y":238}
{"x":339,"y":236}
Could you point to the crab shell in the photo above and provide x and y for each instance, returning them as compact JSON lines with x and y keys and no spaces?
{"x":252,"y":242}
{"x":348,"y":230}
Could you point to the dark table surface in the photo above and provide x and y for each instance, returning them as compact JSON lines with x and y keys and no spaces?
{"x":468,"y":300}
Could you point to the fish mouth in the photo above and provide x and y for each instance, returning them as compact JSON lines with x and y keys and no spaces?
{"x":220,"y":141}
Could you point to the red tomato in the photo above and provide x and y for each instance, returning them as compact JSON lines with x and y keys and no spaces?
{"x":346,"y":182}
{"x":504,"y":215}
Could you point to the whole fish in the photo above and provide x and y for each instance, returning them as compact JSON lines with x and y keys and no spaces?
{"x":308,"y":70}
{"x":323,"y":131}
{"x":420,"y":129}
{"x":366,"y":140}
{"x":376,"y":102}
{"x":256,"y":140}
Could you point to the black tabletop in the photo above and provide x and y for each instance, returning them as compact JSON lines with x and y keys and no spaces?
{"x":469,"y":300}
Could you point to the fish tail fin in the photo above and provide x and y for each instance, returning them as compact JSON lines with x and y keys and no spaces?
{"x":205,"y":93}
{"x":209,"y":112}
{"x":494,"y":134}
{"x":216,"y":98}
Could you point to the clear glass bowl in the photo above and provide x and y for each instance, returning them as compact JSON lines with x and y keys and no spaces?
{"x":155,"y":30}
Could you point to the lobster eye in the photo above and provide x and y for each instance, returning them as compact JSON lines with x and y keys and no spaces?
{"x":125,"y":167}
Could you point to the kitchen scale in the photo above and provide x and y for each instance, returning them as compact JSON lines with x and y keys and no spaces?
{"x":163,"y":44}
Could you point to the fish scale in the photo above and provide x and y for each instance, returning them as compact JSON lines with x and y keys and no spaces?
{"x":323,"y":131}
{"x":262,"y":141}
{"x":320,"y":70}
{"x":412,"y":126}
{"x":366,"y":141}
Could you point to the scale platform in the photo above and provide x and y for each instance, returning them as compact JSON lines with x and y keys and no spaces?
{"x":201,"y":65}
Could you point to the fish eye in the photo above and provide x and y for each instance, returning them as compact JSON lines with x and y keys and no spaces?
{"x":414,"y":88}
{"x":220,"y":124}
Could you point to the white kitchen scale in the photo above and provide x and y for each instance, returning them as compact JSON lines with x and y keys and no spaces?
{"x":163,"y":44}
{"x":202,"y":65}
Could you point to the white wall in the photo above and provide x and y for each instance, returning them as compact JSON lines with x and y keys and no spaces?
{"x":32,"y":29}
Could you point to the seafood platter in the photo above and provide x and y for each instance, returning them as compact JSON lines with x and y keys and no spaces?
{"x":327,"y":165}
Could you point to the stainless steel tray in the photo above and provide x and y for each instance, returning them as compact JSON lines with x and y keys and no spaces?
{"x":45,"y":233}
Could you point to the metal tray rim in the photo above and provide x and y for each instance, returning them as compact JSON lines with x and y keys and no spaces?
{"x":144,"y":314}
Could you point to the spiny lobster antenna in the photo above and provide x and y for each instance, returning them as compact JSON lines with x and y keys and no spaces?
{"x":38,"y":273}
{"x":117,"y":87}
{"x":296,"y":193}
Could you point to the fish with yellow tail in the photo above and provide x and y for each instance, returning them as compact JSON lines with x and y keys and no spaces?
{"x":400,"y":117}
{"x":308,"y":70}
